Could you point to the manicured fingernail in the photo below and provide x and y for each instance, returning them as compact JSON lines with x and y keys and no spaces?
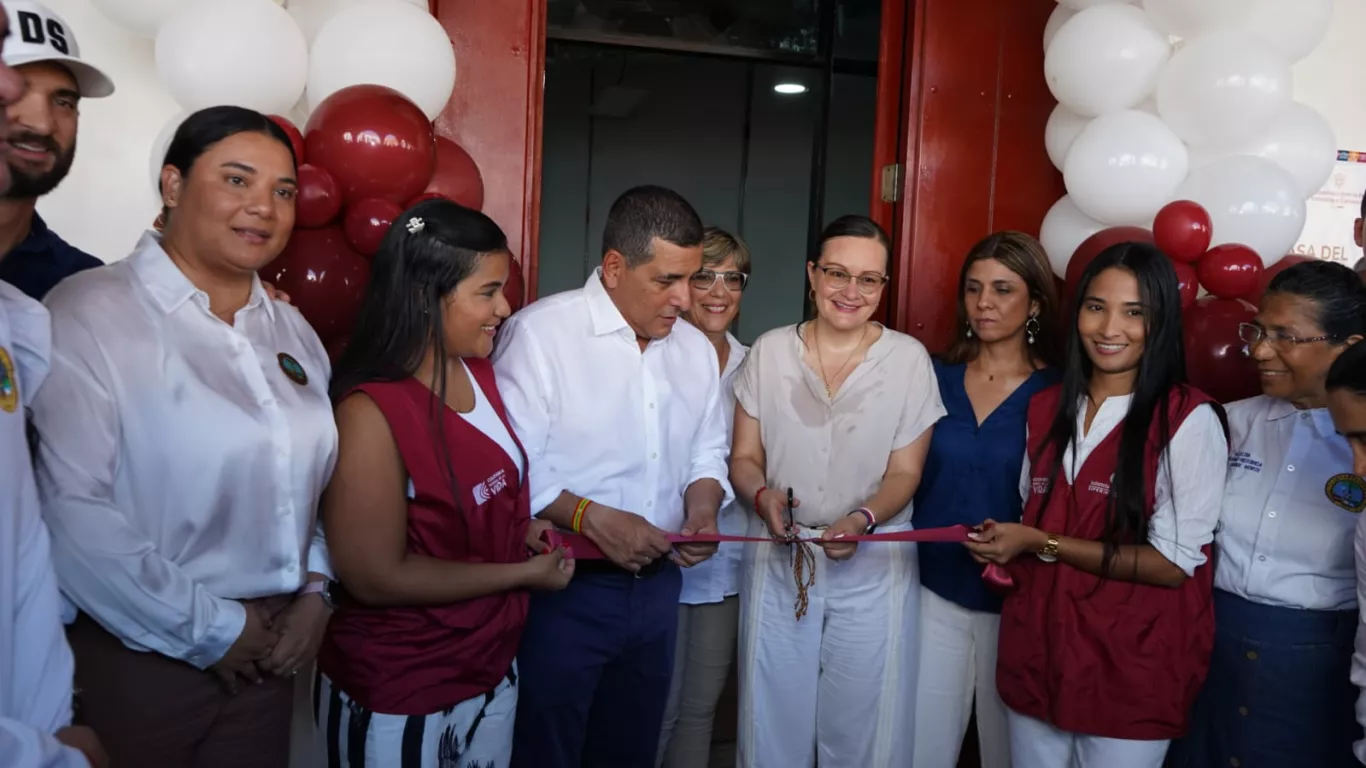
{"x":974,"y":536}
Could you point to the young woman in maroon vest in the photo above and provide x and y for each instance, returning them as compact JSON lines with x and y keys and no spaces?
{"x":427,"y":514}
{"x":1107,"y":636}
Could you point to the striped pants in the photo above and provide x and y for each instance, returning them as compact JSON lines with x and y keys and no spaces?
{"x":476,"y":733}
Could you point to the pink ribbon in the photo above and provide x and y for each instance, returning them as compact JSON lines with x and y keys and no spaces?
{"x":584,"y":549}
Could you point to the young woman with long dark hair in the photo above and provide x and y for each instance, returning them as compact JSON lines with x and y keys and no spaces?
{"x":1003,"y":354}
{"x":428,"y":514}
{"x":1106,"y":638}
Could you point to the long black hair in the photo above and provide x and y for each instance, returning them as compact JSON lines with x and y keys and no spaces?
{"x":1161,"y":376}
{"x":427,"y":251}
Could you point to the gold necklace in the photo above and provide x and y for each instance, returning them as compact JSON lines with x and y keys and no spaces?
{"x":829,"y":394}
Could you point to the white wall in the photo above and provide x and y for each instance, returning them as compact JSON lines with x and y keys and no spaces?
{"x":108,"y":201}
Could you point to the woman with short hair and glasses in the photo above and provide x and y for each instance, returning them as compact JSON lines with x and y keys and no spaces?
{"x":1285,"y":599}
{"x":832,"y":425}
{"x":709,"y":609}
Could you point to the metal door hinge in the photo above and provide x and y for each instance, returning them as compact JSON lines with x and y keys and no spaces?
{"x":892,"y":178}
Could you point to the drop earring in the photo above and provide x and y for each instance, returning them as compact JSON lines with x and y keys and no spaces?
{"x":1031,"y":328}
{"x":969,"y":330}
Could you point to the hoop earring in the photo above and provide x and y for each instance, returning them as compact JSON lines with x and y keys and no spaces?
{"x":1032,"y":328}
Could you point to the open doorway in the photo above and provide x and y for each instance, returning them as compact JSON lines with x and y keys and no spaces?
{"x":760,"y":112}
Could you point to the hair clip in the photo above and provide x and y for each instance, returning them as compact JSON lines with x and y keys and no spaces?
{"x":415,"y":225}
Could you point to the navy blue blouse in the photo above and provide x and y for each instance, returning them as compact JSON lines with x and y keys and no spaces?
{"x":972,"y":473}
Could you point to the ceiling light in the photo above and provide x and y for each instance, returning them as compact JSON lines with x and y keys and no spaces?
{"x":790,"y":88}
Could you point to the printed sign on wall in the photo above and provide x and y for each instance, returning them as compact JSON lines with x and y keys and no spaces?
{"x":1333,"y":210}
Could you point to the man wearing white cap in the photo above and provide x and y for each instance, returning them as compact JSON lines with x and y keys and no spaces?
{"x":36,"y":667}
{"x":42,"y":140}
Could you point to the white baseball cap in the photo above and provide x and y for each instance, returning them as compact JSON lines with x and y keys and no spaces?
{"x":37,"y":34}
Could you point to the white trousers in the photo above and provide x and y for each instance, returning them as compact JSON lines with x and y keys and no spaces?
{"x":1036,"y":744}
{"x":838,"y":686}
{"x":958,"y":667}
{"x":476,"y":733}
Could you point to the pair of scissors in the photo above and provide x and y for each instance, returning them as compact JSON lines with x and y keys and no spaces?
{"x":790,"y":529}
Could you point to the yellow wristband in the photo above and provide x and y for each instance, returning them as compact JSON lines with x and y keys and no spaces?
{"x":577,"y":523}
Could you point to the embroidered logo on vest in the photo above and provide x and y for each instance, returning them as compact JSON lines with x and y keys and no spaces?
{"x":1347,"y":491}
{"x":1098,"y":487}
{"x":490,"y":487}
{"x":9,"y":384}
{"x":1039,"y":485}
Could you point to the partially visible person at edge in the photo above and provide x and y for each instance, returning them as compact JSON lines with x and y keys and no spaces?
{"x":42,"y":138}
{"x":427,"y":516}
{"x":838,"y":413}
{"x":1285,"y":603}
{"x":1346,"y":386}
{"x":619,"y":408}
{"x":1004,"y":352}
{"x":1106,"y":638}
{"x":710,"y":607}
{"x":36,"y":665}
{"x":185,"y":439}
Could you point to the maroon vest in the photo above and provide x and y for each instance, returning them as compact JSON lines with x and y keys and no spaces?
{"x":1100,"y":656}
{"x":420,"y":660}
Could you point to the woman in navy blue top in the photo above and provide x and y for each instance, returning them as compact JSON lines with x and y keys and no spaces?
{"x":1006,"y":343}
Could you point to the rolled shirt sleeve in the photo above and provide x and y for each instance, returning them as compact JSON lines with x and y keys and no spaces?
{"x":924,"y":406}
{"x":528,"y":397}
{"x":1190,"y":490}
{"x":711,"y":449}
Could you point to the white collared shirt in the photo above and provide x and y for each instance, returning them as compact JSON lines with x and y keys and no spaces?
{"x":1189,"y":484}
{"x":1284,"y":539}
{"x":717,"y":578}
{"x":602,"y":419}
{"x":181,"y":458}
{"x":36,"y":667}
{"x":1359,"y":651}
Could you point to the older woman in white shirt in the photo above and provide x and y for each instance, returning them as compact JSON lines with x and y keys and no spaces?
{"x":186,"y":435}
{"x":1285,"y":597}
{"x":709,"y":609}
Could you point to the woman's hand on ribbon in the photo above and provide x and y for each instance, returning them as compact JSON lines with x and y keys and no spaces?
{"x":850,"y":525}
{"x":772,"y":509}
{"x":627,"y":539}
{"x":1000,"y":543}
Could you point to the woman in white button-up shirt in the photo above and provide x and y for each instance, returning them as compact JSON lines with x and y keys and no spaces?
{"x":185,"y":437}
{"x":1285,"y":598}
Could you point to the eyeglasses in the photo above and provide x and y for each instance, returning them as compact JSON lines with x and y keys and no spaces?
{"x":1253,"y":334}
{"x":704,"y":279}
{"x":868,"y":282}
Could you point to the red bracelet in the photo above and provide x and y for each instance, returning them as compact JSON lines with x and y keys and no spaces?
{"x":757,"y":494}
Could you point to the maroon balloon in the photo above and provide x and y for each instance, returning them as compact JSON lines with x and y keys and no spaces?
{"x":1270,"y":273}
{"x":1183,"y":230}
{"x":319,"y":200}
{"x":1091,"y":247}
{"x":336,"y":347}
{"x":1188,"y":282}
{"x":324,"y":278}
{"x":374,"y":141}
{"x":1214,"y":354}
{"x":1230,"y":271}
{"x":514,"y":290}
{"x":296,"y":139}
{"x":424,"y":197}
{"x":456,"y":176}
{"x":366,"y":223}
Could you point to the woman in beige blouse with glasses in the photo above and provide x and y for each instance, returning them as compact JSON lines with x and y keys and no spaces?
{"x":836,"y":414}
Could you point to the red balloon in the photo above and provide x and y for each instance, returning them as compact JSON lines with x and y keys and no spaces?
{"x":1183,"y":230}
{"x":1286,"y":262}
{"x":366,"y":223}
{"x":1214,"y":354}
{"x":296,"y":139}
{"x":425,"y":196}
{"x":1091,"y":247}
{"x":336,"y":347}
{"x":374,"y":141}
{"x":1188,"y":282}
{"x":514,"y":290}
{"x":1230,"y":271}
{"x":456,"y":176}
{"x":324,"y":278}
{"x":319,"y":200}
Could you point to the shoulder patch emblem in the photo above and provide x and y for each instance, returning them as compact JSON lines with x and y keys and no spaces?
{"x":1347,"y":491}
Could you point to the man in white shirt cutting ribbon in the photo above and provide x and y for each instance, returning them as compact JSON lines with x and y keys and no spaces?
{"x":619,"y":408}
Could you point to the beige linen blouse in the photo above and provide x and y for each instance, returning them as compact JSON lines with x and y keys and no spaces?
{"x":833,"y":452}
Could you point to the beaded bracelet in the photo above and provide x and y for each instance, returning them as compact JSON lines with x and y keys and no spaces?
{"x":577,"y":523}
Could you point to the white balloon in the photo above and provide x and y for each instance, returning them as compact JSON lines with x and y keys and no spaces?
{"x":1192,"y":18}
{"x":1064,"y":228}
{"x":1251,"y":201}
{"x":1124,"y":167}
{"x":313,"y":14}
{"x":157,"y":160}
{"x":141,"y":18}
{"x":1056,"y":19}
{"x":1105,"y":59}
{"x":1223,"y":88}
{"x":1062,"y":129}
{"x":247,"y":53}
{"x":1300,"y":141}
{"x":1293,"y":27}
{"x":1081,"y":5}
{"x":384,"y":42}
